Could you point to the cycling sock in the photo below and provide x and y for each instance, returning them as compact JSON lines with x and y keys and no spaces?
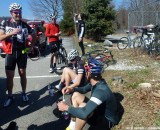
{"x":54,"y":64}
{"x":72,"y":125}
{"x":61,"y":85}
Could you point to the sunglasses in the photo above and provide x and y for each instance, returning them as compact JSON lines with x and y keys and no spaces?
{"x":17,"y":12}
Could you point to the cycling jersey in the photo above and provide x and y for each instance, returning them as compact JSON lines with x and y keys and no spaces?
{"x":102,"y":100}
{"x":79,"y":69}
{"x":81,"y":28}
{"x":51,"y":30}
{"x":16,"y":42}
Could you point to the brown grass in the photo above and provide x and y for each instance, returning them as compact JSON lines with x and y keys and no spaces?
{"x":142,"y":109}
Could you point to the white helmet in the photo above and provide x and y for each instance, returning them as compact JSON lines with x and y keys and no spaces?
{"x":52,"y":16}
{"x":15,"y":6}
{"x":72,"y":55}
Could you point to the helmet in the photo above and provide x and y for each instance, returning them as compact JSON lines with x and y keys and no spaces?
{"x":72,"y":54}
{"x":52,"y":16}
{"x":95,"y":67}
{"x":96,"y":70}
{"x":15,"y":6}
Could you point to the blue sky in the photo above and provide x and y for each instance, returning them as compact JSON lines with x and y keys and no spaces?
{"x":27,"y":13}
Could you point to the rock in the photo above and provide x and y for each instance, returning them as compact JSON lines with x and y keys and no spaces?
{"x":108,"y":43}
{"x":144,"y":85}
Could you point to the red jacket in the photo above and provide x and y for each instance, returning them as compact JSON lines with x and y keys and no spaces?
{"x":51,"y":30}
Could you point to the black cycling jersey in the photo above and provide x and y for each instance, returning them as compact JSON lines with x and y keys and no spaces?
{"x":81,"y":28}
{"x":18,"y":41}
{"x":102,"y":99}
{"x":79,"y":68}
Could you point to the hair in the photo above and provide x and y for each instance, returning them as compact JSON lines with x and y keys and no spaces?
{"x":96,"y":77}
{"x":82,"y":15}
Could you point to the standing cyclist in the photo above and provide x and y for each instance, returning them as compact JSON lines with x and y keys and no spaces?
{"x":100,"y":110}
{"x":15,"y":33}
{"x":53,"y":33}
{"x":78,"y":18}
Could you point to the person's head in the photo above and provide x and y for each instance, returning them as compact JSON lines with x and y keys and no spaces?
{"x":80,"y":16}
{"x":73,"y":56}
{"x":16,"y":11}
{"x":94,"y":70}
{"x":53,"y":18}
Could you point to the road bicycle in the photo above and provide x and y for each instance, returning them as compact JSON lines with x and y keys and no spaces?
{"x":62,"y":59}
{"x":127,"y":41}
{"x":33,"y":53}
{"x":105,"y":59}
{"x":148,"y":43}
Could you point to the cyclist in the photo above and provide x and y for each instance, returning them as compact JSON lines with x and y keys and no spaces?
{"x":79,"y":18}
{"x":53,"y":33}
{"x":75,"y":74}
{"x":100,"y":110}
{"x":15,"y":33}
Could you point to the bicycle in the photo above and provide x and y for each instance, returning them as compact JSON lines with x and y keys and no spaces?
{"x":33,"y":53}
{"x":148,"y":42}
{"x":105,"y":59}
{"x":127,"y":41}
{"x":62,"y":59}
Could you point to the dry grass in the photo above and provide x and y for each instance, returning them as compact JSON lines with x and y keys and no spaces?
{"x":142,"y":109}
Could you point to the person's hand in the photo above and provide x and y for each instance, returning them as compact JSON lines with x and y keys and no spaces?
{"x":16,"y":31}
{"x":80,"y":39}
{"x":75,"y":14}
{"x":66,"y":90}
{"x":62,"y":106}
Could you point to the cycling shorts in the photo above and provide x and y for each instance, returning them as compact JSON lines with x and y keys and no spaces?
{"x":16,"y":58}
{"x":54,"y":46}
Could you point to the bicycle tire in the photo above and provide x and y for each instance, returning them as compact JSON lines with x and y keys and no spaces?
{"x":62,"y":63}
{"x":106,"y":59}
{"x":35,"y":55}
{"x":123,"y":43}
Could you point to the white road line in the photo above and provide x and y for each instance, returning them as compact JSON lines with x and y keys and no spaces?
{"x":45,"y":76}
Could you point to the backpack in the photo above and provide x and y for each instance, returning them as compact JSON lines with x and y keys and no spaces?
{"x":120,"y":111}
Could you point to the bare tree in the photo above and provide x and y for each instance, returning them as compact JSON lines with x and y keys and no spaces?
{"x":42,"y":9}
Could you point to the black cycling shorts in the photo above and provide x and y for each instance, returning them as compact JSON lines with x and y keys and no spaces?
{"x":16,"y":58}
{"x":97,"y":120}
{"x":54,"y":46}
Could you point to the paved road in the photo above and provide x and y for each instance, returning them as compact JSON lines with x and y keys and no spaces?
{"x":38,"y":113}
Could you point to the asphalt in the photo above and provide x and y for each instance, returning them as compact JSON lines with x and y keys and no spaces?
{"x":37,"y":114}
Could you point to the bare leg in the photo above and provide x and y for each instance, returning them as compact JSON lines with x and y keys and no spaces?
{"x":77,"y":101}
{"x":55,"y":59}
{"x":51,"y":61}
{"x":10,"y":75}
{"x":23,"y":80}
{"x":68,"y":75}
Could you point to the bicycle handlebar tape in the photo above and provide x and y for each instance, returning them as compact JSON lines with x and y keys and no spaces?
{"x":25,"y":51}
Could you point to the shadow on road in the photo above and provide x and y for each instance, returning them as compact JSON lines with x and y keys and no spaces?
{"x":19,"y":108}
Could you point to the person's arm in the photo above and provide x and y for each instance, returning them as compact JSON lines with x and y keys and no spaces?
{"x":96,"y":99}
{"x":3,"y":35}
{"x":82,"y":26}
{"x":75,"y":18}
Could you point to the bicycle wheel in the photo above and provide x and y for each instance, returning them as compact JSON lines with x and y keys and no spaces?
{"x":34,"y":54}
{"x":123,"y":43}
{"x":106,"y":59}
{"x":62,"y":63}
{"x":139,"y":46}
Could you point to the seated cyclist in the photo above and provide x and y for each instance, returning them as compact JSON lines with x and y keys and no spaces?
{"x":76,"y":75}
{"x":100,"y":110}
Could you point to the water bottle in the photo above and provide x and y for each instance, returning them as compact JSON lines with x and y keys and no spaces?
{"x":65,"y":114}
{"x":50,"y":90}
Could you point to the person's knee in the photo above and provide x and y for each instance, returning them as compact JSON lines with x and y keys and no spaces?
{"x":82,"y":104}
{"x":75,"y":96}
